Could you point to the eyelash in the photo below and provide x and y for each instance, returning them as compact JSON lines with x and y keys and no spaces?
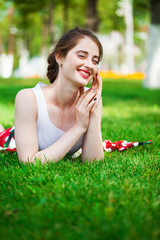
{"x":82,"y":56}
{"x":96,"y":62}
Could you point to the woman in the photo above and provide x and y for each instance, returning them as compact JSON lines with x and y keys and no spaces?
{"x":56,"y":119}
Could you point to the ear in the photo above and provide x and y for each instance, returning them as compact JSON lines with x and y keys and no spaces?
{"x":58,"y":58}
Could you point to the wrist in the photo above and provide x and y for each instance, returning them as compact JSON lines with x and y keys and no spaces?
{"x":96,"y":116}
{"x":80,"y":130}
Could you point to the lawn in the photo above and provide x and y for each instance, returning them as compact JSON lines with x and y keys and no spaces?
{"x":116,"y":199}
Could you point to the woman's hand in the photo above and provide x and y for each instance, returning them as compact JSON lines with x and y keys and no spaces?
{"x":92,"y":147}
{"x":97,"y":85}
{"x":84,"y":104}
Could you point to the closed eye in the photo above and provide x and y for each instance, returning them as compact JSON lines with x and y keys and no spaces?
{"x":82,"y":56}
{"x":95,"y":62}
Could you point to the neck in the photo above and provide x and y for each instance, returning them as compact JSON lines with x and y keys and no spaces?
{"x":65,"y":93}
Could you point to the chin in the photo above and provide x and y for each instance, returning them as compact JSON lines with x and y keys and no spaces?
{"x":86,"y":81}
{"x":82,"y":82}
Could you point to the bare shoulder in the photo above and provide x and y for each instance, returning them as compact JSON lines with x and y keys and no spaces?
{"x":24,"y":94}
{"x":26,"y":100}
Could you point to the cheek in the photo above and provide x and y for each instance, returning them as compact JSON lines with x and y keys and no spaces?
{"x":95,"y":70}
{"x":74,"y":63}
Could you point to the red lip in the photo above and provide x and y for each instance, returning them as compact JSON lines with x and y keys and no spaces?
{"x":84,"y":71}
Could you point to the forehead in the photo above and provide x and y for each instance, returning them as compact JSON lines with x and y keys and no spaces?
{"x":88,"y":45}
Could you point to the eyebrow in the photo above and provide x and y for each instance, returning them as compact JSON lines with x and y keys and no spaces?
{"x":85,"y":52}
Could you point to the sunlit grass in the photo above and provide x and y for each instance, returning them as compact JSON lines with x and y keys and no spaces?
{"x":117,"y":199}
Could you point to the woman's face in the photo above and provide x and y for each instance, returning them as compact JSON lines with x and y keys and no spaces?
{"x":81,"y":63}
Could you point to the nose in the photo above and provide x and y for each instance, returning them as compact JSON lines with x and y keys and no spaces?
{"x":88,"y":63}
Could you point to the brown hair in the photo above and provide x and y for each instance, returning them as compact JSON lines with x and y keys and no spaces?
{"x":64,"y":45}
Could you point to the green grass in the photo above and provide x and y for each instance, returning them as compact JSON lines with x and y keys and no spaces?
{"x":115,"y":199}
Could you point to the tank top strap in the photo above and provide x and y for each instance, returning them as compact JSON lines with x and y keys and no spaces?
{"x":41,"y":104}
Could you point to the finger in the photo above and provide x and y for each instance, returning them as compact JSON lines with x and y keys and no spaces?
{"x":99,"y":81}
{"x":88,"y":98}
{"x":82,"y":96}
{"x":99,"y":85}
{"x":81,"y":90}
{"x":94,"y":83}
{"x":92,"y":103}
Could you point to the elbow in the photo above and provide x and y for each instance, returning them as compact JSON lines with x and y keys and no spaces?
{"x":36,"y":157}
{"x":24,"y":161}
{"x":92,"y":158}
{"x":102,"y":158}
{"x":29,"y":160}
{"x":40,"y":157}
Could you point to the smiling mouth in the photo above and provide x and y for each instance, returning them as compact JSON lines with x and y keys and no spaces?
{"x":84,"y":73}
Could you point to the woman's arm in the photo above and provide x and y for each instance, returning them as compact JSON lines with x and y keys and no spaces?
{"x":92,"y":147}
{"x":26,"y":133}
{"x":25,"y":125}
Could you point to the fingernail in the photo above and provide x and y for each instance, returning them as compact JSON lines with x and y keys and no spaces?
{"x":95,"y":99}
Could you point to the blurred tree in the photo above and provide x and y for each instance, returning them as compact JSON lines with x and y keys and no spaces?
{"x":50,"y":22}
{"x":77,"y":13}
{"x":153,"y":68}
{"x":39,"y":23}
{"x":66,"y":4}
{"x":92,"y":19}
{"x":148,"y":11}
{"x":126,"y":10}
{"x":11,"y":37}
{"x":7,"y":22}
{"x":34,"y":18}
{"x":108,"y":18}
{"x":7,"y":40}
{"x":141,"y":13}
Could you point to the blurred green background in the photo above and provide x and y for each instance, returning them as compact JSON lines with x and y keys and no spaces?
{"x":29,"y":29}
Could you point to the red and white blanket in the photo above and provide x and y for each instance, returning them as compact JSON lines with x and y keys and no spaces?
{"x":7,"y":143}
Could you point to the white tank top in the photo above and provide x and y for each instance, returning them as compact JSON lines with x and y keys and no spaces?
{"x":46,"y":131}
